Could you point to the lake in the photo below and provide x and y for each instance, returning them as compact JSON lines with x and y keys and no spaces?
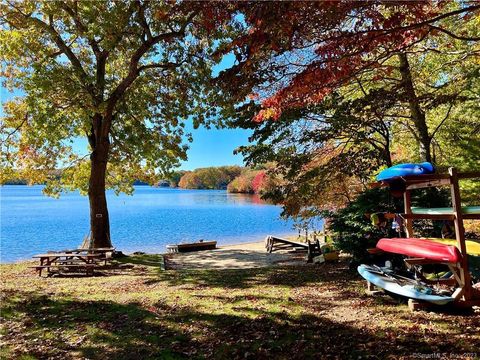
{"x":32,"y":223}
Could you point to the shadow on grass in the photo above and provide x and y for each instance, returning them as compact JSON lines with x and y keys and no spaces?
{"x":65,"y":328}
{"x":88,"y":329}
{"x":288,"y":276}
{"x":152,"y":260}
{"x":153,"y":264}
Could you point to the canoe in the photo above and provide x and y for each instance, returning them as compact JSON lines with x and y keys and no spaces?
{"x":469,"y":210}
{"x":421,"y":248}
{"x":473,"y":247}
{"x":403,"y":287}
{"x":406,"y":170}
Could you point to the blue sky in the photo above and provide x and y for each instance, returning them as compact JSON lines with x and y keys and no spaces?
{"x":210,"y":147}
{"x":214,"y":147}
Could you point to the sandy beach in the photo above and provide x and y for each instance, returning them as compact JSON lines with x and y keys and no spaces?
{"x":237,"y":256}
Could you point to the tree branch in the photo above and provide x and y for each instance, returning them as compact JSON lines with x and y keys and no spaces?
{"x":11,"y":133}
{"x":427,"y":22}
{"x":100,"y":55}
{"x":57,"y":39}
{"x":133,"y":70}
{"x":441,"y":122}
{"x":82,"y":29}
{"x":167,"y":65}
{"x":449,"y":33}
{"x":143,"y":20}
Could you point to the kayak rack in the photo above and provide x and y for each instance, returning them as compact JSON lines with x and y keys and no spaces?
{"x":465,"y":294}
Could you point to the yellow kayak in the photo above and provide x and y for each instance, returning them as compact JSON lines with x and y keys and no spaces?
{"x":473,"y":247}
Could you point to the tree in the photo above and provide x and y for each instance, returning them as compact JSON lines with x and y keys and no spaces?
{"x":294,"y":54}
{"x":122,"y":74}
{"x":259,"y":182}
{"x":190,"y":180}
{"x":336,"y":95}
{"x":174,"y":177}
{"x":331,"y":149}
{"x":209,"y":178}
{"x":243,"y":183}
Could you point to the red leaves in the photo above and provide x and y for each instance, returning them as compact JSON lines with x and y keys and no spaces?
{"x":212,"y":16}
{"x":335,"y":40}
{"x":258,"y":181}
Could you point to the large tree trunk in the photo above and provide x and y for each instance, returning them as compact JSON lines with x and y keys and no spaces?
{"x":418,"y":116}
{"x":99,"y":221}
{"x":387,"y":155}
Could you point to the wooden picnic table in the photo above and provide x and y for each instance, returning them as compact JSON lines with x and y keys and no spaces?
{"x":67,"y":260}
{"x":105,"y":253}
{"x":93,"y":250}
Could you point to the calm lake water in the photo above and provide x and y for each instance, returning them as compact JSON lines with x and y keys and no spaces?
{"x":32,"y":223}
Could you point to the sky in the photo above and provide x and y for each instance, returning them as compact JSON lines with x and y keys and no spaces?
{"x":210,"y":147}
{"x":214,"y":147}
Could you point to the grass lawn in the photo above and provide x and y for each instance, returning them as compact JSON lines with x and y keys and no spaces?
{"x":279,"y":313}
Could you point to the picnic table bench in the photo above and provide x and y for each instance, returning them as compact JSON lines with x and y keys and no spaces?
{"x":82,"y":259}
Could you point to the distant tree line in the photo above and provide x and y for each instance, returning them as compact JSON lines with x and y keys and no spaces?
{"x":16,"y":182}
{"x":235,"y":179}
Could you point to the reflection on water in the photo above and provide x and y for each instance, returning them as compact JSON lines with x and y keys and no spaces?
{"x":147,"y":221}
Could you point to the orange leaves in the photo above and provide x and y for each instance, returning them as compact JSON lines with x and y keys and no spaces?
{"x":270,"y":113}
{"x":161,"y":14}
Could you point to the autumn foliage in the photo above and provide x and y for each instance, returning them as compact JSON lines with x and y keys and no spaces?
{"x":259,"y":181}
{"x":339,"y":90}
{"x":301,"y":51}
{"x":233,"y":178}
{"x":209,"y":178}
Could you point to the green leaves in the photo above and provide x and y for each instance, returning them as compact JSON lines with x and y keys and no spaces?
{"x":132,"y":72}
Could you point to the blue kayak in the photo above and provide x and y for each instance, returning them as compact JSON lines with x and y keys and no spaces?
{"x":405,"y":170}
{"x":404,"y":287}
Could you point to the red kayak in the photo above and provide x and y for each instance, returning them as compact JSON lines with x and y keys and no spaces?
{"x":421,"y":248}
